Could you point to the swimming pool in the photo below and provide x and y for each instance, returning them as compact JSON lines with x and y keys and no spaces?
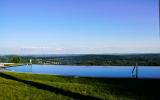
{"x":90,"y":71}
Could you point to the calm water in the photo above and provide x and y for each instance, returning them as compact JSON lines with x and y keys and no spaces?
{"x":90,"y":71}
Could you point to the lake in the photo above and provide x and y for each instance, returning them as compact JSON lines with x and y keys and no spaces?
{"x":90,"y":71}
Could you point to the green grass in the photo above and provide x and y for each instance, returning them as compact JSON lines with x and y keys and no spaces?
{"x":23,"y":86}
{"x":14,"y":64}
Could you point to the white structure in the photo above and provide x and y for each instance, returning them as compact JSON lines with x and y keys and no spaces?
{"x":30,"y":61}
{"x":3,"y":64}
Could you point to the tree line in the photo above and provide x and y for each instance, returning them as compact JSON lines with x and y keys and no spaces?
{"x":100,"y":60}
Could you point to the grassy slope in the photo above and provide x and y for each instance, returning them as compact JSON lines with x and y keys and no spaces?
{"x":39,"y":87}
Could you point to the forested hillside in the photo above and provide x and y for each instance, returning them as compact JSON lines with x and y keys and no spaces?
{"x":101,"y":60}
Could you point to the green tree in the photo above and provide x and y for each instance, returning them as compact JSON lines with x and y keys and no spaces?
{"x":15,"y":59}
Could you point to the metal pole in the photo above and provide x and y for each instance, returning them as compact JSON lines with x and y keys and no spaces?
{"x":136,"y":71}
{"x":133,"y":71}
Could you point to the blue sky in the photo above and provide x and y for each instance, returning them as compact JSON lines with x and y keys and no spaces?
{"x":79,"y":26}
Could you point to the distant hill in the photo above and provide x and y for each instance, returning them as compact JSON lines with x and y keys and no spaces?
{"x":91,"y":59}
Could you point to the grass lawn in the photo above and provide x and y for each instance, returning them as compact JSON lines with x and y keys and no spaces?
{"x":23,"y":86}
